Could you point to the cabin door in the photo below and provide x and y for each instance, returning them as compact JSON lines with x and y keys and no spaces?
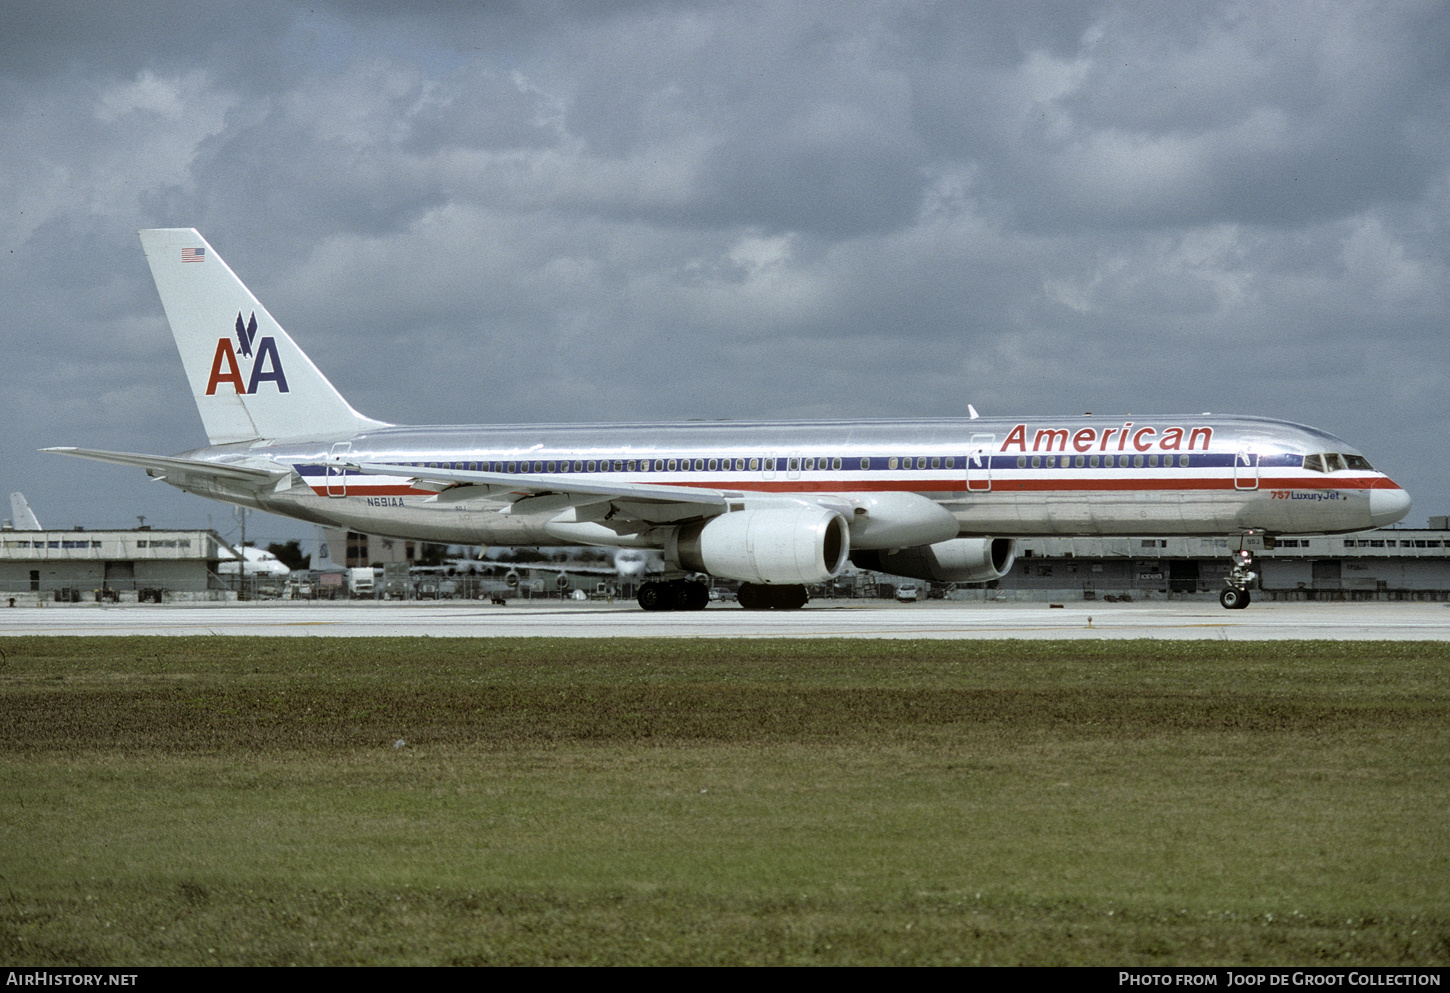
{"x":979,"y":463}
{"x":1246,"y":470}
{"x":336,"y":474}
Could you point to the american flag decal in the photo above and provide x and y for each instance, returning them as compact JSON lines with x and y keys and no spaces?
{"x":193,"y":255}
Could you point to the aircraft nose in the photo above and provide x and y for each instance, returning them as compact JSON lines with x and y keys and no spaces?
{"x":1387,"y":506}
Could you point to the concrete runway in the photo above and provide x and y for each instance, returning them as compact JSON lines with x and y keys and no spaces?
{"x":828,"y":619}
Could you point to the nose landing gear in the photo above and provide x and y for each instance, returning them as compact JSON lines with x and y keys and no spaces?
{"x":1236,"y":594}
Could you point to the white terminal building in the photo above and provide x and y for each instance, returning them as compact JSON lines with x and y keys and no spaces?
{"x":125,"y":564}
{"x":1389,"y":564}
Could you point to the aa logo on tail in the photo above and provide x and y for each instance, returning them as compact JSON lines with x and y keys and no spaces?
{"x":266,"y":365}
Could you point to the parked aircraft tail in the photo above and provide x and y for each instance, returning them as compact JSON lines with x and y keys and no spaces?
{"x":249,"y":379}
{"x":323,"y":561}
{"x":22,"y":518}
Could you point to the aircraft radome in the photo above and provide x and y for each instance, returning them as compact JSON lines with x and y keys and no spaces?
{"x":773,"y":505}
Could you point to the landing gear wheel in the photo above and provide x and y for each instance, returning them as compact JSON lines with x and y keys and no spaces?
{"x":1234,"y":598}
{"x":692,"y":596}
{"x":757,"y":596}
{"x":789,"y":597}
{"x":656,"y":596}
{"x":753,"y":597}
{"x":675,"y":595}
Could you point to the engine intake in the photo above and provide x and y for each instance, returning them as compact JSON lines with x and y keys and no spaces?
{"x":775,"y":545}
{"x":960,"y":560}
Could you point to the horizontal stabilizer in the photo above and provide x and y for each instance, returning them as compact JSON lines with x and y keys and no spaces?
{"x":160,"y":465}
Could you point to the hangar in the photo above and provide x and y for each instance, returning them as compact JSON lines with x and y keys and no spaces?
{"x":1389,"y":564}
{"x":139,"y":563}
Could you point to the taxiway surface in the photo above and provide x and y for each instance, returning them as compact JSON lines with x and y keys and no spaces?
{"x":828,"y":619}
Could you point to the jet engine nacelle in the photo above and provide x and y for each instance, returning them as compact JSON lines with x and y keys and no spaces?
{"x":960,"y":560}
{"x":791,"y":545}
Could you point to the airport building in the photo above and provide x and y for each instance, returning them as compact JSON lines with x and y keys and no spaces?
{"x":358,"y":549}
{"x":129,"y":564}
{"x":1390,"y":564}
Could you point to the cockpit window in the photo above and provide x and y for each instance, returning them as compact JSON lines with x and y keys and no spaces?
{"x":1335,"y":461}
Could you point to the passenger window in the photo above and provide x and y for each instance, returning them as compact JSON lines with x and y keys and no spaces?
{"x":951,"y":461}
{"x":1037,"y":461}
{"x":1093,"y":461}
{"x":891,"y":462}
{"x":1022,"y":462}
{"x":1137,"y":461}
{"x":865,"y":463}
{"x":809,"y":465}
{"x":673,"y":465}
{"x":714,"y":464}
{"x":836,"y":463}
{"x":553,"y":466}
{"x":754,"y":465}
{"x":1153,"y":461}
{"x":1080,"y":461}
{"x":936,"y":461}
{"x":699,"y":465}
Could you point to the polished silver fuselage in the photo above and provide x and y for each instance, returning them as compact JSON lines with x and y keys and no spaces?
{"x":1198,"y":475}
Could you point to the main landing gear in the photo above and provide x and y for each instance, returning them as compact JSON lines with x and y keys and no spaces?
{"x":755,"y":596}
{"x":1236,"y":595}
{"x":676,"y":594}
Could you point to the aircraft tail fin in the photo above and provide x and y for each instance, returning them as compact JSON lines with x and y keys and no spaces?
{"x":21,"y":516}
{"x":323,"y":561}
{"x":248,"y":377}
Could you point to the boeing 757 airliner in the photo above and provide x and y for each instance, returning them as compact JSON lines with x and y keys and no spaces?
{"x":774,"y":505}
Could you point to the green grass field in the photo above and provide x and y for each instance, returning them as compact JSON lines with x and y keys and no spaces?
{"x":171,"y":801}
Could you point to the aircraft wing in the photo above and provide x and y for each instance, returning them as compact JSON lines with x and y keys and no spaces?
{"x":528,"y":485}
{"x":170,"y":466}
{"x":622,"y":507}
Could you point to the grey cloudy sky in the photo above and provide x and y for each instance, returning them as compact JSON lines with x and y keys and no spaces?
{"x":577,"y":211}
